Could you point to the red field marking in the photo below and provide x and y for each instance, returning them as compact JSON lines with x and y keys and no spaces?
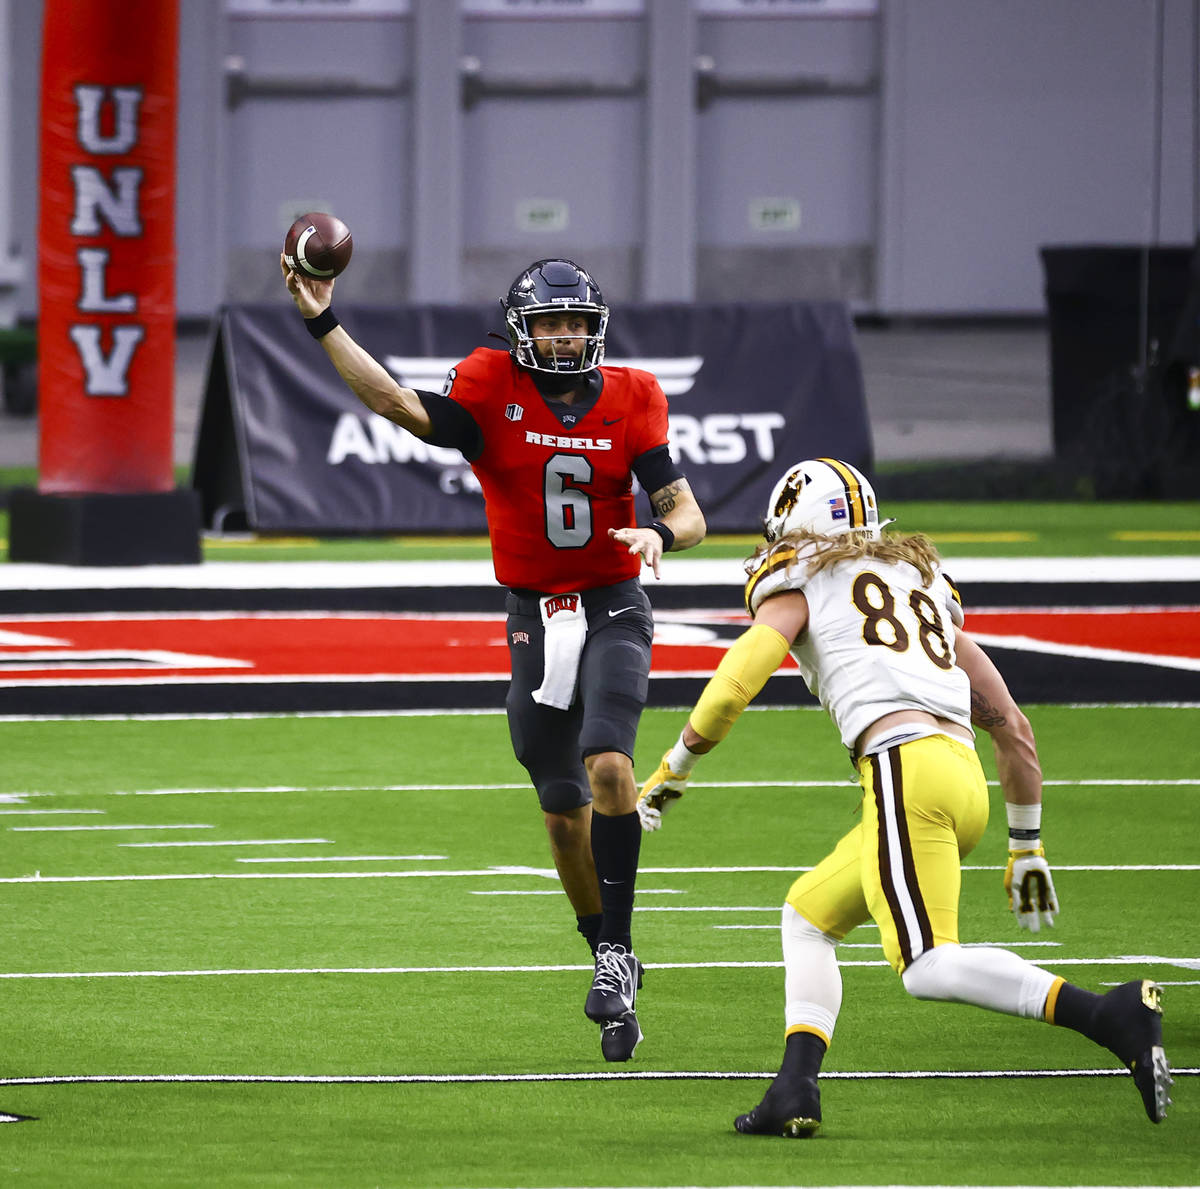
{"x":118,"y":648}
{"x":1159,"y":631}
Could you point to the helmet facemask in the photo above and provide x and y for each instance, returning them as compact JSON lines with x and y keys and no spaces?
{"x":824,"y":497}
{"x":524,"y":345}
{"x":557,"y":287}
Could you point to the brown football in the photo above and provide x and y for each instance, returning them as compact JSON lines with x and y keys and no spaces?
{"x":318,"y":245}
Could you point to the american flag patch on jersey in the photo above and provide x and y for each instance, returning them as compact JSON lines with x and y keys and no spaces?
{"x":837,"y":508}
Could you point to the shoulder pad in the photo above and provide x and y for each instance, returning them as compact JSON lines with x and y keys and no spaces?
{"x":955,"y":601}
{"x":770,"y":576}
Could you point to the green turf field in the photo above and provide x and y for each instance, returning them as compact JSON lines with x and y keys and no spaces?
{"x":1010,"y":529}
{"x":329,"y":952}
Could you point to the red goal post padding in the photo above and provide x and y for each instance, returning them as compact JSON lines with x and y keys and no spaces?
{"x":106,"y":246}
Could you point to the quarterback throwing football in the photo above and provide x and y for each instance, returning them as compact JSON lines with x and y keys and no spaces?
{"x":876,"y":629}
{"x":555,"y":439}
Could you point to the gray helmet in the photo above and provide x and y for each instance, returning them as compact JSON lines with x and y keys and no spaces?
{"x":555,"y":286}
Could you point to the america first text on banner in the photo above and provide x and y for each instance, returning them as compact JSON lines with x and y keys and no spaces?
{"x":752,"y":389}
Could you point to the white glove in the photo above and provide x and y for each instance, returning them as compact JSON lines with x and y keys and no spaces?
{"x":1030,"y":888}
{"x":659,"y":793}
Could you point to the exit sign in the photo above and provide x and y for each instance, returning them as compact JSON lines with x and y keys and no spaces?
{"x":774,"y":214}
{"x":542,"y":214}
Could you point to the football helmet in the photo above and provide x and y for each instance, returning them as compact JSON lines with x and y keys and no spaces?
{"x":822,"y":495}
{"x":551,"y":287}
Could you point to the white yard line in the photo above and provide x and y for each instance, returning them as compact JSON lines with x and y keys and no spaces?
{"x":1140,"y":960}
{"x":558,"y":892}
{"x":344,"y":859}
{"x":78,"y":829}
{"x":241,"y":842}
{"x":508,"y":872}
{"x":627,"y":1075}
{"x":846,"y":784}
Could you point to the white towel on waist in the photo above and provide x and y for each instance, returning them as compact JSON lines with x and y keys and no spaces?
{"x":565,"y":629}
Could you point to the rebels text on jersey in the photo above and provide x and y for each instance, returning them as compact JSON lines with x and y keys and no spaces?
{"x":551,"y":493}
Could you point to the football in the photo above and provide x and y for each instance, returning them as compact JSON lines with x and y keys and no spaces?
{"x":318,"y":245}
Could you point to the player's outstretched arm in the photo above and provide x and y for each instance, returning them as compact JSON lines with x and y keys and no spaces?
{"x":368,"y":379}
{"x":1027,"y":878}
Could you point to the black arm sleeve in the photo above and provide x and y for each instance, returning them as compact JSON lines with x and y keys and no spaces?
{"x":452,"y":425}
{"x":654,"y":469}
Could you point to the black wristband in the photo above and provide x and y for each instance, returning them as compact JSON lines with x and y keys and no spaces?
{"x":668,"y":537}
{"x":322,"y":324}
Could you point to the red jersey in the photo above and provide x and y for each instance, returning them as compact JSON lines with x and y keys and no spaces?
{"x":553,"y":493}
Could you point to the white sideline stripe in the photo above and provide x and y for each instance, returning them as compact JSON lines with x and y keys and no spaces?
{"x":349,"y":859}
{"x":1123,"y":960}
{"x":535,"y":872}
{"x":241,"y":842}
{"x":847,"y":783}
{"x":46,"y":812}
{"x":442,"y":573}
{"x":77,"y":829}
{"x":482,"y":712}
{"x":632,"y":1075}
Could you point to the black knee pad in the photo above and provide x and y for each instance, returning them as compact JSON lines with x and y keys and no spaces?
{"x":561,"y":795}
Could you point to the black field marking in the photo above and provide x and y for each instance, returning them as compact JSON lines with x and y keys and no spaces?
{"x":584,"y":1076}
{"x":675,"y":596}
{"x":1032,"y":677}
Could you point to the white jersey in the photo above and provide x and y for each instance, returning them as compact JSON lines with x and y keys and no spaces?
{"x":877,"y":639}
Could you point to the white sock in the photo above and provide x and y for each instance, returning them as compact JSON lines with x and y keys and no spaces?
{"x":984,"y":976}
{"x":814,"y":982}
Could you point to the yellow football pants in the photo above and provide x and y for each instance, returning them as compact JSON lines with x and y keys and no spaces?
{"x":924,"y":807}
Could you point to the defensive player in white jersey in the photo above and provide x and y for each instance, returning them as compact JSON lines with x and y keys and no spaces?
{"x":876,"y":629}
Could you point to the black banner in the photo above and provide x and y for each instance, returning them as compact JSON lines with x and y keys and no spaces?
{"x":285,"y":447}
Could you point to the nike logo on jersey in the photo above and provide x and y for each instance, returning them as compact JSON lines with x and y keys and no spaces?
{"x":613,"y":420}
{"x":619,"y":611}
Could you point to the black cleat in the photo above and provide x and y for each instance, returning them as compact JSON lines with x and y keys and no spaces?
{"x":1129,"y":1024}
{"x":620,"y":1037}
{"x":790,"y":1108}
{"x":614,"y":986}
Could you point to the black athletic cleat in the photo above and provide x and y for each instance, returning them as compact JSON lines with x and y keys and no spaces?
{"x":620,"y":1037}
{"x":791,"y":1108}
{"x":614,"y":987}
{"x":1129,"y":1024}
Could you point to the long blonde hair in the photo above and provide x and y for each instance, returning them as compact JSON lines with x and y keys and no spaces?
{"x":818,"y":551}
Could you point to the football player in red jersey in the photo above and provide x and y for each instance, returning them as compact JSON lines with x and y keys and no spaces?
{"x":555,"y":440}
